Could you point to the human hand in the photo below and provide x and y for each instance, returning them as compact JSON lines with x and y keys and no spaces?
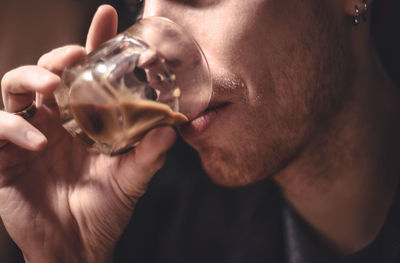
{"x":58,"y":202}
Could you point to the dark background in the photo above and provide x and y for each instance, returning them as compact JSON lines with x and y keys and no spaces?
{"x":386,"y":33}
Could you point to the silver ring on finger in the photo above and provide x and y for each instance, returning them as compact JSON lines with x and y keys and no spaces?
{"x":25,"y":113}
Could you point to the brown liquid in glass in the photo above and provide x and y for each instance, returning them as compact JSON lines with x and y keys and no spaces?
{"x":124,"y":124}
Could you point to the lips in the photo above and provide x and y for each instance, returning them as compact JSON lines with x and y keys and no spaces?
{"x":227,"y":89}
{"x":203,"y":121}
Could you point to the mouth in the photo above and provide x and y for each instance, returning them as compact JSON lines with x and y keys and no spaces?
{"x":227,"y":90}
{"x":196,"y":127}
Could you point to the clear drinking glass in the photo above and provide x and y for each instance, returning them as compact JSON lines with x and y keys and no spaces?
{"x":152,"y":74}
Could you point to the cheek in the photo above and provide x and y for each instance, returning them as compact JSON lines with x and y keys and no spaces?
{"x":289,"y":91}
{"x":247,"y":146}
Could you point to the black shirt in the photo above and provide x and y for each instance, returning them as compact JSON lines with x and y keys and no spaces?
{"x":303,"y":245}
{"x":185,"y":217}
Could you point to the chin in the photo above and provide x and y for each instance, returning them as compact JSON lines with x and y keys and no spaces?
{"x":231,"y":172}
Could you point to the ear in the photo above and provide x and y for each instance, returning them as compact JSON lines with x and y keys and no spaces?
{"x":359,"y":10}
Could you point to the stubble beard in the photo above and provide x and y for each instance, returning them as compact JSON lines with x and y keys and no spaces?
{"x":323,"y":80}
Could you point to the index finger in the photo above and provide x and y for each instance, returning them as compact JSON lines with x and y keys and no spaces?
{"x":19,"y":85}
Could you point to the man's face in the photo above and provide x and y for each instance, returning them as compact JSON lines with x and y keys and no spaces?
{"x":279,"y":72}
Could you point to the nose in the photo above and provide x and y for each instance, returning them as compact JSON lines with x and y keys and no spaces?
{"x":174,"y":10}
{"x":159,"y":8}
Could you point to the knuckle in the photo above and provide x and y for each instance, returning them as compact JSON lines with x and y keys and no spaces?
{"x":6,"y":80}
{"x":15,"y":80}
{"x":45,"y":60}
{"x":42,"y":60}
{"x":14,"y":75}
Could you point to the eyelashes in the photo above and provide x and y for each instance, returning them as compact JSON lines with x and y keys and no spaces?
{"x":199,"y":3}
{"x":136,"y":7}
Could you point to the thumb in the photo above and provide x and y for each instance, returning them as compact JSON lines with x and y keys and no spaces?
{"x":138,"y":166}
{"x":103,"y":27}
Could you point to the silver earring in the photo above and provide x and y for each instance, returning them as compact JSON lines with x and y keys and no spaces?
{"x":365,"y":10}
{"x":356,"y":18}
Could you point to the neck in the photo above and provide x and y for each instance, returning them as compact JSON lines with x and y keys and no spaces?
{"x":344,"y":182}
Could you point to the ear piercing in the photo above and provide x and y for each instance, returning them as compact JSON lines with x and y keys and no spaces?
{"x":356,"y":17}
{"x":365,"y":10}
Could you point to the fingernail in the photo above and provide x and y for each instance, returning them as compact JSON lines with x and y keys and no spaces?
{"x":35,"y":138}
